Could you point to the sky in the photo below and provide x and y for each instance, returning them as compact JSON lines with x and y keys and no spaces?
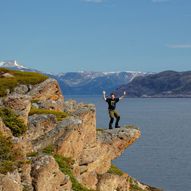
{"x":97,"y":35}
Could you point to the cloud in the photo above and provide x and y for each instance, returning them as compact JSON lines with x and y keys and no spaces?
{"x":178,"y":45}
{"x":94,"y":1}
{"x":160,"y":1}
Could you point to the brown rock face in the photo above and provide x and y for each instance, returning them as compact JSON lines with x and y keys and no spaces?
{"x":20,"y":104}
{"x":108,"y":146}
{"x":38,"y":125}
{"x":113,"y":182}
{"x":74,"y":137}
{"x":46,"y":175}
{"x":77,"y":138}
{"x":10,"y":182}
{"x":48,"y":95}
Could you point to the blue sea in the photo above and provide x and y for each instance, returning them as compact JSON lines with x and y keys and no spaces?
{"x":162,"y":156}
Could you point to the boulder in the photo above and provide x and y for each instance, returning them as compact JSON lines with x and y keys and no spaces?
{"x":78,"y":138}
{"x":48,"y":95}
{"x":20,"y":104}
{"x":10,"y":182}
{"x":46,"y":175}
{"x":22,"y":89}
{"x":40,"y":124}
{"x":112,"y":182}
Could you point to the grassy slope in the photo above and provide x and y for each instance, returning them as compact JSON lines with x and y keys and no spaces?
{"x":20,"y":77}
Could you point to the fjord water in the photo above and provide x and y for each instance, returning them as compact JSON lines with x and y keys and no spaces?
{"x":162,"y":156}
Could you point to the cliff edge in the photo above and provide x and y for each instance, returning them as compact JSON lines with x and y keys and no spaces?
{"x":48,"y":144}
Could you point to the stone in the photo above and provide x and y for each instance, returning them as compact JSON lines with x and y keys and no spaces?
{"x":21,"y":89}
{"x":46,"y":175}
{"x":112,"y":182}
{"x":70,"y":106}
{"x":76,"y":139}
{"x":48,"y":95}
{"x":20,"y":104}
{"x":26,"y":179}
{"x":10,"y":182}
{"x":40,"y":124}
{"x":7,"y":75}
{"x":54,"y":136}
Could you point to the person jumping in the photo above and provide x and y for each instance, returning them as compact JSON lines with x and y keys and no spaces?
{"x":112,"y":100}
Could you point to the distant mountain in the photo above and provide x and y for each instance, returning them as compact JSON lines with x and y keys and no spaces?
{"x":93,"y":83}
{"x":163,"y":84}
{"x":14,"y":65}
{"x":84,"y":83}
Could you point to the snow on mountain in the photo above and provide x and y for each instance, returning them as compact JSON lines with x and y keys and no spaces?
{"x":11,"y":64}
{"x":84,"y":82}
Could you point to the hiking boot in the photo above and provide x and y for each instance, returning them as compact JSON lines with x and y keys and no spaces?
{"x":118,"y":126}
{"x":110,"y":127}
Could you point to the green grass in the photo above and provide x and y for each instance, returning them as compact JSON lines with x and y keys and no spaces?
{"x":20,"y":77}
{"x":65,"y":167}
{"x":49,"y":150}
{"x":134,"y":185}
{"x":99,"y":129}
{"x":115,"y":170}
{"x":59,"y":114}
{"x":10,"y":157}
{"x":32,"y":154}
{"x":12,"y":121}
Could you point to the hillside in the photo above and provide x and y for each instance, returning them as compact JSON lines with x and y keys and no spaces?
{"x":164,"y":84}
{"x":83,"y":83}
{"x":48,"y":144}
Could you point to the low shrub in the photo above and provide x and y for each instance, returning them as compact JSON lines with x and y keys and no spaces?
{"x":65,"y":167}
{"x":12,"y":121}
{"x":10,"y":157}
{"x":115,"y":170}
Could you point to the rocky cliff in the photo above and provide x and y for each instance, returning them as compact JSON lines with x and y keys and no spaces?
{"x":48,"y":144}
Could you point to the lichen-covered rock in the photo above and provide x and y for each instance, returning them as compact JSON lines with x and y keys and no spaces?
{"x":97,"y":157}
{"x":40,"y":124}
{"x":46,"y":175}
{"x":22,"y":89}
{"x":10,"y":182}
{"x":70,"y":106}
{"x":26,"y":179}
{"x":48,"y":95}
{"x":54,"y":136}
{"x":112,"y":182}
{"x":117,"y":140}
{"x":20,"y":104}
{"x":77,"y":139}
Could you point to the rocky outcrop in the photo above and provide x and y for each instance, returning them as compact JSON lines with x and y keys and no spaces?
{"x":113,"y":182}
{"x":11,"y":182}
{"x":48,"y":95}
{"x":47,"y":176}
{"x":73,"y":138}
{"x":20,"y":104}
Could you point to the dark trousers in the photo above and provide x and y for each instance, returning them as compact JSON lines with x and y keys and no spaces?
{"x":113,"y":114}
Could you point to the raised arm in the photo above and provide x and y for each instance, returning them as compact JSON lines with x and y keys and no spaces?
{"x":124,"y":94}
{"x":104,"y":97}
